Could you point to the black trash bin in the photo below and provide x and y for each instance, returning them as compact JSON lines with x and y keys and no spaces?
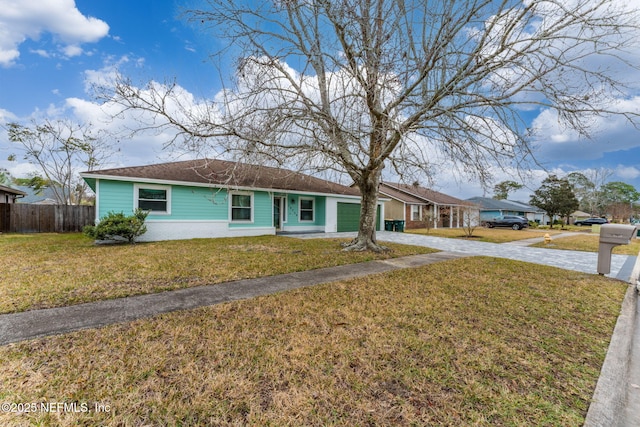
{"x":388,"y":225}
{"x":398,"y":225}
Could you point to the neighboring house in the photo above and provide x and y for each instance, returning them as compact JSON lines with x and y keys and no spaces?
{"x":10,"y":195}
{"x":491,"y":208}
{"x":216,"y":198}
{"x":414,"y":204}
{"x":44,"y":196}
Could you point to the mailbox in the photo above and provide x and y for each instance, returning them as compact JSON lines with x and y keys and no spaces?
{"x":617,"y":233}
{"x":612,"y":235}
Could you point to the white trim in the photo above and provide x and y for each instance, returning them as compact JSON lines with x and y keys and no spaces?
{"x":97,"y":205}
{"x":313,"y":209}
{"x":167,"y":188}
{"x":158,"y":230}
{"x":252,"y":207}
{"x":284,"y":207}
{"x":304,"y":228}
{"x":206,"y":185}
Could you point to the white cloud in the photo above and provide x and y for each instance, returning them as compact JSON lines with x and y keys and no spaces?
{"x":6,"y":116}
{"x":72,"y":50}
{"x":609,"y":133}
{"x":627,"y":172}
{"x":41,"y":52}
{"x":29,"y":19}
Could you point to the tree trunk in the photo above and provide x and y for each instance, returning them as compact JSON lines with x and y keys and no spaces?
{"x":366,"y":239}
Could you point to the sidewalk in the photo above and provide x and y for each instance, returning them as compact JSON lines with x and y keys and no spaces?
{"x":616,"y":399}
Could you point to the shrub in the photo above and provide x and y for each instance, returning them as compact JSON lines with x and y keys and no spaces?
{"x":115,"y":225}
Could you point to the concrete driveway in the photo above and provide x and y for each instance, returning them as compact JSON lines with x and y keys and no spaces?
{"x":587,"y":262}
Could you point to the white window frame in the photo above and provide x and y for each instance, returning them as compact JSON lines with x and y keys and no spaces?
{"x":285,"y":215}
{"x":313,"y":209}
{"x":252,"y":206}
{"x":418,"y":211}
{"x":136,"y":193}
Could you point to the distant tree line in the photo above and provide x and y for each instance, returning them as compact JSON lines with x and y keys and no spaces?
{"x":588,"y":191}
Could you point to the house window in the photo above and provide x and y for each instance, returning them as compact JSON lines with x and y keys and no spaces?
{"x":156,"y":199}
{"x":242,"y":207}
{"x":415,"y":212}
{"x":306,"y":209}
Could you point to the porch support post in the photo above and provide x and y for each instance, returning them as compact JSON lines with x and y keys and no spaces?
{"x":436,"y":215}
{"x":450,"y":216}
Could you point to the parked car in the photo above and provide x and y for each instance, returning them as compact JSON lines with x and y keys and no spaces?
{"x":591,"y":221}
{"x":511,"y":221}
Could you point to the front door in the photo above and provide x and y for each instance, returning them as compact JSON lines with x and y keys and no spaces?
{"x":277,"y":213}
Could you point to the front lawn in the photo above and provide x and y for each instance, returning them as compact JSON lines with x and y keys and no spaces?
{"x":475,"y":341}
{"x":482,"y":234}
{"x":589,"y":243}
{"x":49,"y":270}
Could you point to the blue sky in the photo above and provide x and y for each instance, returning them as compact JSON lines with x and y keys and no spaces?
{"x":51,"y":50}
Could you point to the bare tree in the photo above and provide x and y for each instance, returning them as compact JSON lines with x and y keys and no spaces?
{"x":357,"y":85}
{"x":428,"y":219}
{"x":470,"y":219}
{"x":60,"y":148}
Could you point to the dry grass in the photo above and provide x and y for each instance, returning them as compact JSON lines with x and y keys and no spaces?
{"x":477,"y":341}
{"x":48,"y":270}
{"x":589,"y":243}
{"x":492,"y":235}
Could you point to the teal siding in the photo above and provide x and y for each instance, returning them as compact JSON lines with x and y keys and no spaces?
{"x":115,"y":196}
{"x":196,"y":203}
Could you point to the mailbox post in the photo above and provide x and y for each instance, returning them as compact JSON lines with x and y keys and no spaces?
{"x":612,"y":235}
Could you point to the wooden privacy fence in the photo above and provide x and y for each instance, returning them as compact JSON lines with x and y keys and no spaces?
{"x":25,"y":218}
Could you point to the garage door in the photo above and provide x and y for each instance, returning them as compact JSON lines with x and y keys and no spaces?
{"x":349,"y":217}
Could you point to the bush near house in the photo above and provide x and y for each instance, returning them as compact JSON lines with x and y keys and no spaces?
{"x":116,"y":226}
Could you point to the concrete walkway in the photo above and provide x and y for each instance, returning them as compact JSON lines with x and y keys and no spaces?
{"x":39,"y":323}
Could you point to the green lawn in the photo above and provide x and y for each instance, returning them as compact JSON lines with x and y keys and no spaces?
{"x":482,"y":234}
{"x":475,"y":341}
{"x":589,"y":243}
{"x":49,"y":270}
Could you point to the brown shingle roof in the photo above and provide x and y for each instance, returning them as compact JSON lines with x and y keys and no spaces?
{"x":416,"y":194}
{"x":228,"y":174}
